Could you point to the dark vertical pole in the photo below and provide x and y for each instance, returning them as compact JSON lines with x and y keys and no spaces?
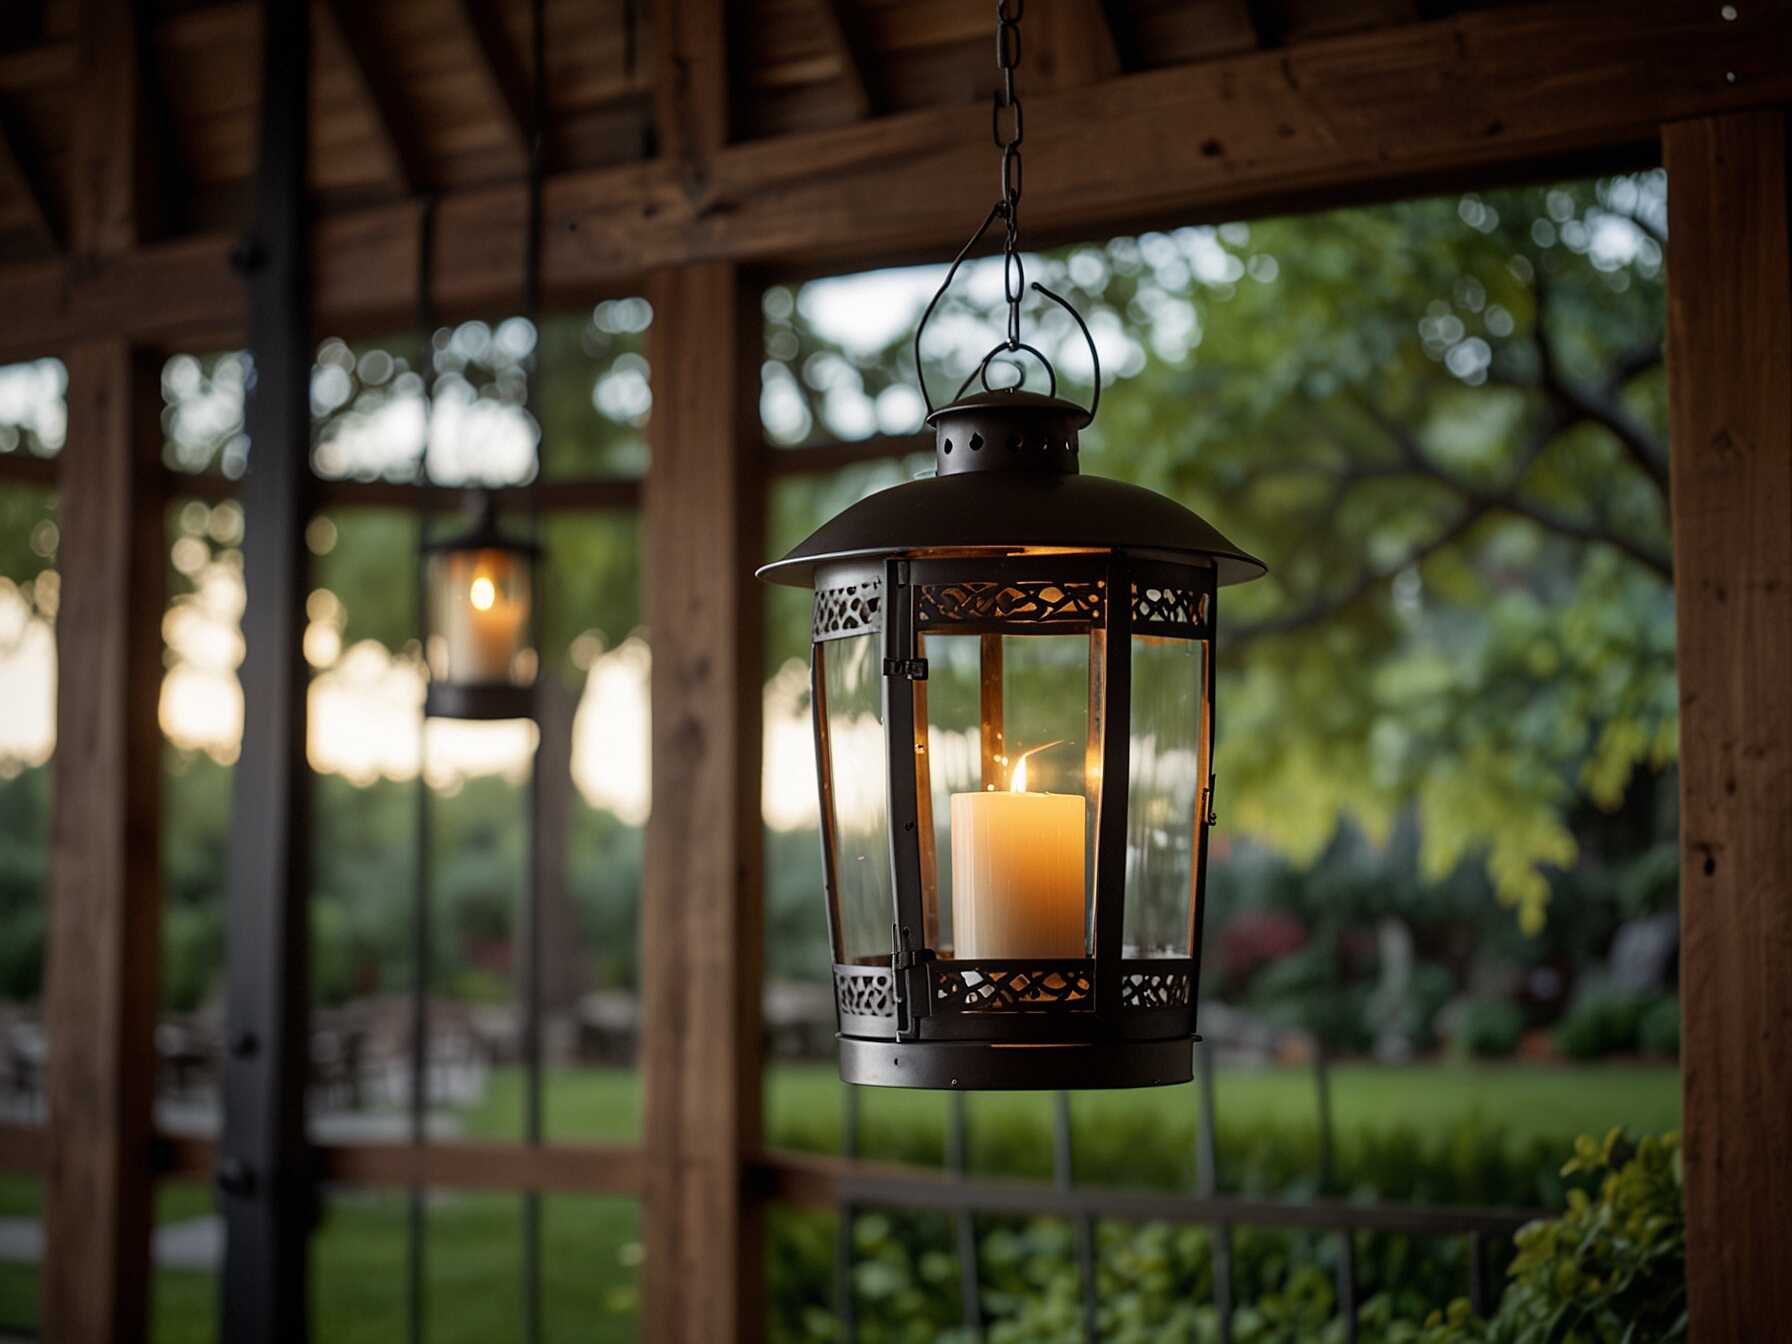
{"x":1207,"y":1183}
{"x":264,"y":1170}
{"x":1478,"y":1296}
{"x":420,"y":953}
{"x":1347,"y":1282}
{"x":846,"y":1303}
{"x":958,"y":1156}
{"x":1116,"y":770}
{"x":1063,"y":1177}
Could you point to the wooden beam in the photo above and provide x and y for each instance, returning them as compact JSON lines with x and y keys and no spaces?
{"x":358,"y":29}
{"x":21,"y":164}
{"x":1079,"y":46}
{"x":1492,"y":95}
{"x":1729,"y":346}
{"x":105,"y":905}
{"x":702,"y":919}
{"x":693,"y":94}
{"x":843,"y":25}
{"x":112,"y":187}
{"x":505,"y":76}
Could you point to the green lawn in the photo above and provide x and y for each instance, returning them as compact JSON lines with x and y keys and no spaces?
{"x":590,"y":1246}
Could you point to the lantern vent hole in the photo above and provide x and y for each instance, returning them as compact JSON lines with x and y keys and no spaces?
{"x":976,"y":442}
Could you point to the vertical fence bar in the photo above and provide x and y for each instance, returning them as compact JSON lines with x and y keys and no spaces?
{"x":958,"y":1157}
{"x":1207,"y":1185}
{"x":1063,"y":1177}
{"x":846,"y":1305}
{"x":1347,"y":1282}
{"x":1478,"y":1297}
{"x":420,"y":970}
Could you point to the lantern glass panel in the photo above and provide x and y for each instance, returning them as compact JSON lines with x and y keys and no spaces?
{"x":1162,"y":815}
{"x":858,"y":790}
{"x":479,"y":617}
{"x":1012,"y":817}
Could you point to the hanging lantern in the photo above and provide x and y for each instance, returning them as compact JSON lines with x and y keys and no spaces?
{"x":1012,"y":677}
{"x":479,"y":586}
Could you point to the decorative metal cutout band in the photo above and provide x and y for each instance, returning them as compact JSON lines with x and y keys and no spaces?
{"x":856,"y":609}
{"x":1156,"y":989}
{"x":1168,"y":610}
{"x":865,"y":991}
{"x":1040,"y":603}
{"x":970,"y":987}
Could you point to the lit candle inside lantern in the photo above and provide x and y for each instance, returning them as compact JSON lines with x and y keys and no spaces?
{"x":482,"y":623}
{"x":1017,"y":872}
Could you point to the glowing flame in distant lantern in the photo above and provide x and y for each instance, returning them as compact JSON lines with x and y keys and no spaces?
{"x":483,"y":593}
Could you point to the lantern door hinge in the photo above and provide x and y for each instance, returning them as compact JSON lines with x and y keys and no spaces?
{"x":909,"y":965}
{"x":915,"y":669}
{"x":1212,"y":816}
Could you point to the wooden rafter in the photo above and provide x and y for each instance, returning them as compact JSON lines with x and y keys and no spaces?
{"x":23,"y":167}
{"x":1423,"y":108}
{"x":1269,"y":21}
{"x":693,"y":93}
{"x":503,"y":69}
{"x":850,"y":37}
{"x":357,"y":27}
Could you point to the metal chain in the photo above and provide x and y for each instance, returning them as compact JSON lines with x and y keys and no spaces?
{"x":1014,"y":274}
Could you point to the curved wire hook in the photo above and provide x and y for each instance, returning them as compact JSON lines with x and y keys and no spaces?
{"x":1082,"y":326}
{"x":951,"y":274}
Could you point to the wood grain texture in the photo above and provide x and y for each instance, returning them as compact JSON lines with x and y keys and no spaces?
{"x":693,"y":90}
{"x":1729,"y":347}
{"x":702,"y":915}
{"x":105,"y":903}
{"x":111,"y":185}
{"x":1425,"y":106}
{"x":369,"y":57}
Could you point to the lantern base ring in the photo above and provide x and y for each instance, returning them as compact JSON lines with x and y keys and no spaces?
{"x":991,"y":1066}
{"x":490,"y":700}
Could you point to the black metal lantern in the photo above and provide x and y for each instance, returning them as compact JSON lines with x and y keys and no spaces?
{"x":479,"y":593}
{"x":1012,"y":677}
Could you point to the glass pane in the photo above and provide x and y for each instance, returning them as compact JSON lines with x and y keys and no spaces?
{"x":860,"y":793}
{"x":595,"y":393}
{"x":479,"y":618}
{"x":21,"y":1208}
{"x":1164,"y":792}
{"x":1013,"y":818}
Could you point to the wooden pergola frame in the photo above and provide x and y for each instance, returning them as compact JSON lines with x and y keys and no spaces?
{"x":1422,"y":106}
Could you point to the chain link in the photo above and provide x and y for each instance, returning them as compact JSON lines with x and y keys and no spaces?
{"x":1014,"y":272}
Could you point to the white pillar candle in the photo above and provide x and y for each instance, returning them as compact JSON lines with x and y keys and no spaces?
{"x":481,"y":630}
{"x":1017,"y":874}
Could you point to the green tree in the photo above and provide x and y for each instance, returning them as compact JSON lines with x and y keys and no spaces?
{"x":1442,"y":423}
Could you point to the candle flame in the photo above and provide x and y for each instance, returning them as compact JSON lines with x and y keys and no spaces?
{"x":1017,"y":781}
{"x":483,"y":593}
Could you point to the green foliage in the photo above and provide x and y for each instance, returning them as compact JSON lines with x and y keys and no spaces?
{"x":1603,"y":1021}
{"x":1488,"y":1028}
{"x":1443,"y":424}
{"x":1658,"y":1032}
{"x":1611,"y":1270}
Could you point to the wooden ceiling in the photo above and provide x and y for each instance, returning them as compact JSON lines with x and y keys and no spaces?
{"x":419,"y":96}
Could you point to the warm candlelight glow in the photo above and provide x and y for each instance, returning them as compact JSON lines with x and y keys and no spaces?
{"x":1017,"y":870}
{"x":483,"y":593}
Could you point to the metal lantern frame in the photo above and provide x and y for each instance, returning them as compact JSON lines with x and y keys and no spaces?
{"x":1009,"y":539}
{"x":454,"y":697}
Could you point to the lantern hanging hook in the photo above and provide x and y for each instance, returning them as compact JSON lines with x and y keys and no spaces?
{"x":1007,"y":209}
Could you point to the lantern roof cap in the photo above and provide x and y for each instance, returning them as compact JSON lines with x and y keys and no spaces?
{"x":482,"y":531}
{"x":1013,"y":512}
{"x":1012,"y":399}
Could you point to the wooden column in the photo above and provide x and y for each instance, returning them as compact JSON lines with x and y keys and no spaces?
{"x":703,"y":922}
{"x":105,"y":892}
{"x":106,"y":902}
{"x":1729,"y":352}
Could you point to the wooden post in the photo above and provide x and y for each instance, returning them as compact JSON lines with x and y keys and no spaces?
{"x":1729,"y":349}
{"x":106,"y":903}
{"x":105,"y":906}
{"x":703,"y":922}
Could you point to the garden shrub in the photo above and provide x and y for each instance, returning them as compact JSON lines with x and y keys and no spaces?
{"x":1487,"y":1028}
{"x":1658,"y":1033}
{"x":1602,"y":1022}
